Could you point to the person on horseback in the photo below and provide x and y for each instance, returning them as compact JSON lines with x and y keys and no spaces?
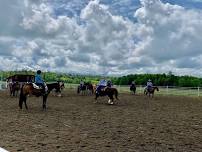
{"x":39,"y":81}
{"x":102,"y":84}
{"x":109,"y":83}
{"x":133,"y":83}
{"x":81,"y":83}
{"x":149,"y":85}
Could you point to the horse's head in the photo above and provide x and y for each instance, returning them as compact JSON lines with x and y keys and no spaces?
{"x":157,"y":89}
{"x":59,"y":86}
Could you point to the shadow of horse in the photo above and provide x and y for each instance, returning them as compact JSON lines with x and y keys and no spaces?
{"x":28,"y":89}
{"x":110,"y":92}
{"x":150,"y":92}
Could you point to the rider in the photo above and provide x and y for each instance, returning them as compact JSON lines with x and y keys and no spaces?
{"x":149,"y":84}
{"x":102,"y":84}
{"x":39,"y":81}
{"x":81,"y":83}
{"x":109,"y":83}
{"x":133,"y":83}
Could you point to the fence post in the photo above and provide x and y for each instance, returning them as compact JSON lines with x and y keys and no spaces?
{"x":198,"y":91}
{"x":167,"y":89}
{"x":140,"y":89}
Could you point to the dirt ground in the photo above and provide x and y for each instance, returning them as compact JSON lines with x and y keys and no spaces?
{"x":75,"y":123}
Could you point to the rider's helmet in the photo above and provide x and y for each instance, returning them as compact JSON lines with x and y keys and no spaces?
{"x":149,"y":80}
{"x":38,"y":72}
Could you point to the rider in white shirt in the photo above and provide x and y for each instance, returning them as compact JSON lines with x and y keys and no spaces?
{"x":102,"y":83}
{"x":149,"y":84}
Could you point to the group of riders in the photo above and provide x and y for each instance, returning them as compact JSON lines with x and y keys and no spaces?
{"x":101,"y":86}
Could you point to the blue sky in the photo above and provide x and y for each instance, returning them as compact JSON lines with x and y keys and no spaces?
{"x":107,"y":37}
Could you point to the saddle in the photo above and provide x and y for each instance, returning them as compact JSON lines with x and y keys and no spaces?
{"x":149,"y":88}
{"x":104,"y":88}
{"x":36,"y":86}
{"x":39,"y":87}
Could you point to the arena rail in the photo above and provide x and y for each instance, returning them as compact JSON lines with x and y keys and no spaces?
{"x":163,"y":90}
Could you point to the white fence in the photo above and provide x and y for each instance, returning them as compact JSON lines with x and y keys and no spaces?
{"x":167,"y":90}
{"x":3,"y":85}
{"x":163,"y":90}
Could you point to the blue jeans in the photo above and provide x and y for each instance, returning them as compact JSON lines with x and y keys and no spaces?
{"x":99,"y":88}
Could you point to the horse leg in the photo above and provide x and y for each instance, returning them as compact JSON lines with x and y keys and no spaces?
{"x":25,"y":101}
{"x":96,"y":96}
{"x":20,"y":102}
{"x":44,"y":102}
{"x":13,"y":93}
{"x":22,"y":99}
{"x":111,"y":100}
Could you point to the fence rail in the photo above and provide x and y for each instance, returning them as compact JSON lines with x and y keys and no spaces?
{"x":163,"y":90}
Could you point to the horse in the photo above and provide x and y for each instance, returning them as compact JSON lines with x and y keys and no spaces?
{"x":133,"y":89}
{"x":81,"y":89}
{"x":150,"y":91}
{"x":28,"y":89}
{"x":90,"y":89}
{"x":107,"y":91}
{"x":58,"y":94}
{"x":14,"y":88}
{"x":86,"y":88}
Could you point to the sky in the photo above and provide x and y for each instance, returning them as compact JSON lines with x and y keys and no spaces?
{"x":102,"y":37}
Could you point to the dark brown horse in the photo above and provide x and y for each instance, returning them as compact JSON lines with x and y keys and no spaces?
{"x":110,"y":92}
{"x":86,"y":88}
{"x":150,"y":91}
{"x":28,"y":89}
{"x":133,"y":88}
{"x":14,"y":88}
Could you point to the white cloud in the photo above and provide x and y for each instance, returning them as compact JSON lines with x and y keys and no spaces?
{"x":165,"y":38}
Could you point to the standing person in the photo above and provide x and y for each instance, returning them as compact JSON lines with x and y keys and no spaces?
{"x":39,"y":81}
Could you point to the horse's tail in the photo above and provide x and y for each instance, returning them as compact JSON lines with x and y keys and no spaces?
{"x":116,"y":94}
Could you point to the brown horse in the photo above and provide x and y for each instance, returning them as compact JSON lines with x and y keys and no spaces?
{"x":133,"y":88}
{"x":150,"y":91}
{"x":85,"y":89}
{"x":14,"y":88}
{"x":28,"y":89}
{"x":110,"y":92}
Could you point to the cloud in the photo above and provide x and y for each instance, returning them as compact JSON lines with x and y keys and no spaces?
{"x":97,"y":38}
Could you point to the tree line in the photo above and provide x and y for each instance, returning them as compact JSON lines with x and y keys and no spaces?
{"x":140,"y":79}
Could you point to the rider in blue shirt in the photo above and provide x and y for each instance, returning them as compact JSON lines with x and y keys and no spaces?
{"x":39,"y":81}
